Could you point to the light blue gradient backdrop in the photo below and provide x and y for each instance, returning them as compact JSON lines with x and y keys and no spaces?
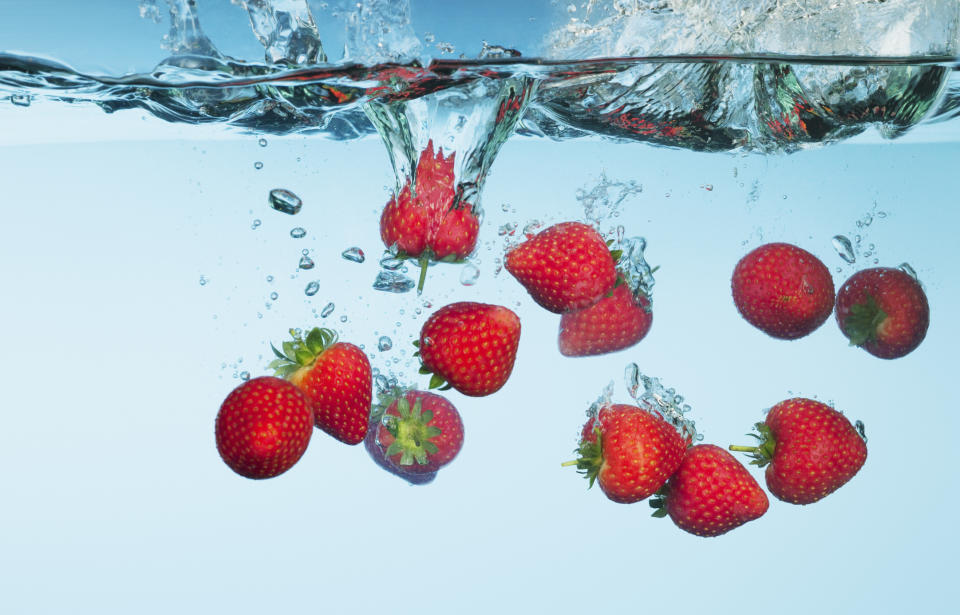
{"x":114,"y":499}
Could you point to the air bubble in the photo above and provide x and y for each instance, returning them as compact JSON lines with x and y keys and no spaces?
{"x":298,"y":232}
{"x":256,"y":224}
{"x":327,"y":310}
{"x":258,"y":165}
{"x":203,"y":280}
{"x":391,"y":262}
{"x":354,"y":254}
{"x":844,"y":248}
{"x":384,"y":343}
{"x":274,"y":296}
{"x":285,"y":201}
{"x":312,"y":288}
{"x":20,"y":100}
{"x":507,"y":229}
{"x":469,"y":274}
{"x":343,"y":318}
{"x":391,"y":282}
{"x":306,"y":262}
{"x":262,"y":142}
{"x":907,"y":269}
{"x":244,"y":375}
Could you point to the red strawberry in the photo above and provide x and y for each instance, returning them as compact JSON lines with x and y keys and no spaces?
{"x":812,"y":450}
{"x":566,"y":267}
{"x":263,"y":427}
{"x":376,"y":453}
{"x":614,"y":323}
{"x":783,"y":290}
{"x":884,"y":311}
{"x":425,"y":220}
{"x":711,"y":493}
{"x":421,"y":433}
{"x":336,"y":378}
{"x":471,"y":346}
{"x":630,"y":451}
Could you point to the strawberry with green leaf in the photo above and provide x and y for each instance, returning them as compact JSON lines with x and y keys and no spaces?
{"x":379,"y":457}
{"x":470,"y":347}
{"x":336,"y":378}
{"x":420,"y":432}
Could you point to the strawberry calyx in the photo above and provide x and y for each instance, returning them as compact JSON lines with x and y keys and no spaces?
{"x":413,"y":436}
{"x":301,"y":351}
{"x":436,"y":380}
{"x":590,"y":457}
{"x":763,"y":452}
{"x":659,"y":502}
{"x":862,"y":323}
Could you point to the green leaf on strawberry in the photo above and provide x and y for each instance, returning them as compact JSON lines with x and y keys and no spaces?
{"x":861,"y":325}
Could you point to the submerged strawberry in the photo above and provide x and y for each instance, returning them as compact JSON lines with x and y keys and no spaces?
{"x":566,"y":267}
{"x":336,"y":378}
{"x":783,"y":290}
{"x":629,"y":451}
{"x":263,"y":427}
{"x":810,"y":450}
{"x":420,"y":432}
{"x":471,"y":346}
{"x":425,"y":220}
{"x":884,"y":311}
{"x":711,"y":493}
{"x":614,"y":323}
{"x":376,"y":453}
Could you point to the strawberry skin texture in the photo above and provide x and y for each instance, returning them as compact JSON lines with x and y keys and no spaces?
{"x":817,"y":451}
{"x":614,"y":323}
{"x":339,"y":386}
{"x":376,"y":453}
{"x":783,"y":290}
{"x":263,"y":427}
{"x":713,"y":493}
{"x":566,"y":267}
{"x":456,"y":236}
{"x":405,"y":222}
{"x":471,"y":345}
{"x":640,"y":452}
{"x":445,"y":418}
{"x":906,"y":313}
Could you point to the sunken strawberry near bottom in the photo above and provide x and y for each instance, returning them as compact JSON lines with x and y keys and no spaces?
{"x":420,"y":432}
{"x":630,"y":451}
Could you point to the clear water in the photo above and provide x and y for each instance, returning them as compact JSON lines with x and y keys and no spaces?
{"x":148,"y":267}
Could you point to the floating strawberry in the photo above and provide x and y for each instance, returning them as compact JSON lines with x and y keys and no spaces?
{"x":812,"y":450}
{"x":884,"y":311}
{"x":783,"y":290}
{"x":336,"y":378}
{"x":566,"y":267}
{"x":711,"y":493}
{"x":614,"y":323}
{"x":420,"y":432}
{"x":629,"y":451}
{"x":425,"y":220}
{"x":263,"y":427}
{"x":377,"y":454}
{"x":471,"y":346}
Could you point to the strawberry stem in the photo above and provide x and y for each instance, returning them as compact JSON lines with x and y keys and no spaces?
{"x":567,"y":464}
{"x":742,"y":449}
{"x":424,"y":263}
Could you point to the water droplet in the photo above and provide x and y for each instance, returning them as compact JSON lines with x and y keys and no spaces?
{"x":262,"y":142}
{"x":384,"y":344}
{"x":298,"y":232}
{"x":354,"y":254}
{"x":285,"y":201}
{"x":391,"y":282}
{"x":274,"y":295}
{"x":469,"y":274}
{"x":306,"y":262}
{"x":203,"y":280}
{"x":312,"y":288}
{"x":258,"y":165}
{"x":327,"y":310}
{"x":256,"y":223}
{"x":844,"y":248}
{"x":20,"y":100}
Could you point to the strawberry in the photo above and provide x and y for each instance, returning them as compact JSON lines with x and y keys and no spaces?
{"x":711,"y":493}
{"x":420,"y":432}
{"x":263,"y":427}
{"x":812,"y":450}
{"x":783,"y":290}
{"x":630,"y":451}
{"x":614,"y":323}
{"x":884,"y":311}
{"x":425,"y":220}
{"x":376,"y":453}
{"x":471,"y":346}
{"x":336,"y":378}
{"x":565,"y":267}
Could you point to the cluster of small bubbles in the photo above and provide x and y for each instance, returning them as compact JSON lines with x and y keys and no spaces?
{"x":354,"y":254}
{"x":428,"y":37}
{"x":506,"y":207}
{"x":391,"y":262}
{"x":203,"y":280}
{"x":20,"y":100}
{"x":384,"y":343}
{"x":497,"y":266}
{"x":446,"y":47}
{"x":634,"y":267}
{"x":754,"y":195}
{"x":392,"y":282}
{"x":530,"y":228}
{"x":305,"y":262}
{"x":469,"y":274}
{"x":604,"y":199}
{"x":258,"y":165}
{"x":298,"y":232}
{"x":327,"y":310}
{"x":667,"y":403}
{"x":262,"y":142}
{"x":507,"y":229}
{"x":256,"y":224}
{"x":312,"y":288}
{"x":844,"y":248}
{"x":285,"y":201}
